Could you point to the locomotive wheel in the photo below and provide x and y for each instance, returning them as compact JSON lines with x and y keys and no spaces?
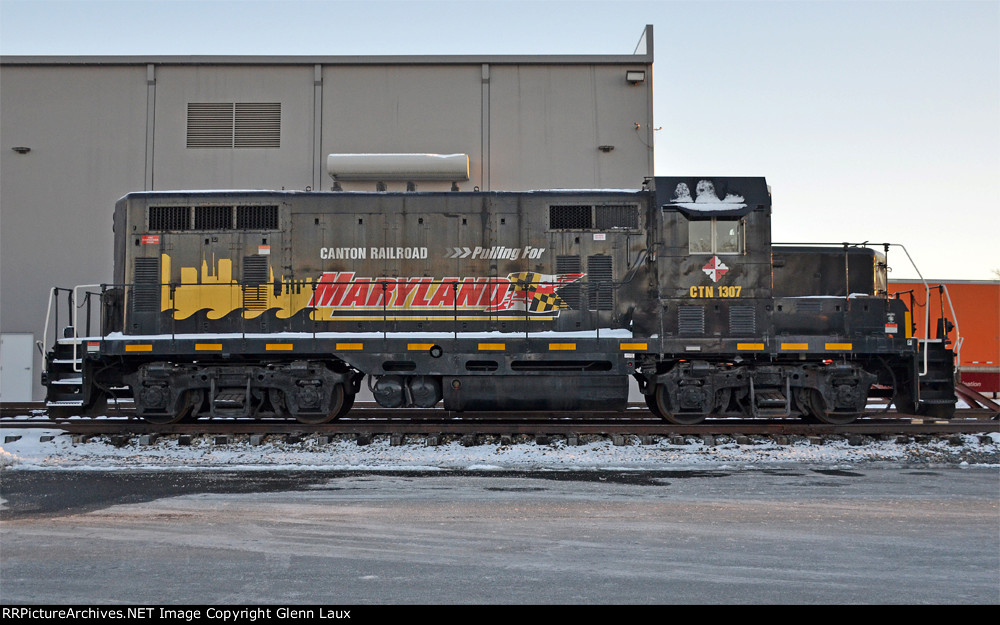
{"x":163,"y":419}
{"x":659,"y":402}
{"x":277,"y":399}
{"x":348,"y":404}
{"x":651,"y":403}
{"x":195,"y":398}
{"x":804,"y":405}
{"x":191,"y":399}
{"x":818,"y":410}
{"x":337,"y":402}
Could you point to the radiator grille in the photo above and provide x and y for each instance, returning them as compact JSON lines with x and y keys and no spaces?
{"x":213,"y":217}
{"x":256,"y":217}
{"x":602,"y":217}
{"x":617,"y":217}
{"x":571,"y":218}
{"x":169,"y":218}
{"x":691,"y":320}
{"x":162,"y":218}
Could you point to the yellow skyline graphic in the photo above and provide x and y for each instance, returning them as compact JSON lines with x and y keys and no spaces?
{"x":214,"y":289}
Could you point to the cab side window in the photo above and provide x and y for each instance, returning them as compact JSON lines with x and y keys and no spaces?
{"x":700,"y":236}
{"x":715,"y":236}
{"x":727,"y":236}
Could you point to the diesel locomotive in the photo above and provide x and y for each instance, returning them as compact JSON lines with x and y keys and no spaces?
{"x":288,"y":303}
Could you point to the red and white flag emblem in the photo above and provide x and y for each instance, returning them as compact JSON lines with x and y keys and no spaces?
{"x":715,"y":269}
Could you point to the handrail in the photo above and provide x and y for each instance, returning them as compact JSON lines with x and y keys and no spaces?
{"x":48,"y":317}
{"x":77,"y":362}
{"x":959,"y":339}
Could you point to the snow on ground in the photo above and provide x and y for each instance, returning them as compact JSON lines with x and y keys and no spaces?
{"x":54,"y":449}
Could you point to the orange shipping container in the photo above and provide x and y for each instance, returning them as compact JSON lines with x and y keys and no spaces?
{"x":977,"y":313}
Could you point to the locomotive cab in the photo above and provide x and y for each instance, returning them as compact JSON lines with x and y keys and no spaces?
{"x":713,"y":261}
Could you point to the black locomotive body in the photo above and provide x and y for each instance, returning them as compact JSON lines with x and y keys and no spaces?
{"x":251,"y":303}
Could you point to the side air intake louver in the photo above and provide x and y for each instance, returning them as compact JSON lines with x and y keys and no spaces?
{"x":808,"y":308}
{"x":255,"y":276}
{"x":146,"y":292}
{"x":571,"y":292}
{"x":742,"y":321}
{"x":599,"y":277}
{"x":691,"y":320}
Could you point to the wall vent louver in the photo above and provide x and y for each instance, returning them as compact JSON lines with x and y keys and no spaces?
{"x":234,"y":125}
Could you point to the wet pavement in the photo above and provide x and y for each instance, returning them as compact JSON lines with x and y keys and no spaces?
{"x":722,"y":535}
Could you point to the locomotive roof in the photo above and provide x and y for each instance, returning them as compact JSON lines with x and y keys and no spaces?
{"x":267,"y":192}
{"x":694,"y":195}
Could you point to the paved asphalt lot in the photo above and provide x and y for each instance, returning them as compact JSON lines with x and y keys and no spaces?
{"x":795,"y":534}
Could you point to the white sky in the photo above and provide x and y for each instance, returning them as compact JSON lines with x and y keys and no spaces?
{"x":872,"y":121}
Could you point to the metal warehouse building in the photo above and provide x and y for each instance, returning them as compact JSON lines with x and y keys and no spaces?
{"x":77,"y":133}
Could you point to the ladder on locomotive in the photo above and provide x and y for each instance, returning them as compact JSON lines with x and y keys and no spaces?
{"x":63,"y":373}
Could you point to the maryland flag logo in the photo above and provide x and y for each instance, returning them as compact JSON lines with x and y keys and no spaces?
{"x":535,"y":292}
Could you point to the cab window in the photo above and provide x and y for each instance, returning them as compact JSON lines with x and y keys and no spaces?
{"x":715,"y":236}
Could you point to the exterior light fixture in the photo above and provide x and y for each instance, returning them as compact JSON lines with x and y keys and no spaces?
{"x":635,"y":76}
{"x":21,"y":149}
{"x":605,"y":148}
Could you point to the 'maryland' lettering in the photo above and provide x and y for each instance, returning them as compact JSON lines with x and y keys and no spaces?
{"x":343,"y":290}
{"x":535,"y":292}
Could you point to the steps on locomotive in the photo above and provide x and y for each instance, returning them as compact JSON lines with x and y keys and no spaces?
{"x":230,"y":399}
{"x":937,"y":387}
{"x":64,"y":385}
{"x":771,"y":403}
{"x":231,"y":403}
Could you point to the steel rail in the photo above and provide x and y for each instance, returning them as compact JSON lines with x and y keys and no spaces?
{"x":486,"y":424}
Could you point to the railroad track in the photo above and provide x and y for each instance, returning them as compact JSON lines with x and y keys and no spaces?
{"x":370,"y":420}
